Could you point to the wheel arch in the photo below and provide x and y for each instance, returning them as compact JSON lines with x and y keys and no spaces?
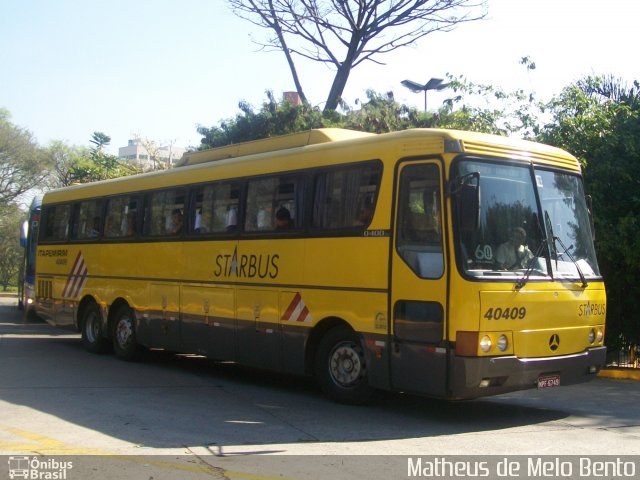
{"x":113,"y":309}
{"x":86,"y":300}
{"x":320,"y":329}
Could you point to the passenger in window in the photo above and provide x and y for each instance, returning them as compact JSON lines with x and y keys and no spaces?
{"x":514,"y":254}
{"x":95,"y":229}
{"x":111,"y":227}
{"x":232,"y":219}
{"x":197,"y":221}
{"x":364,"y":217}
{"x":283,"y":219}
{"x":263,"y":219}
{"x":131,"y":224}
{"x":176,"y":222}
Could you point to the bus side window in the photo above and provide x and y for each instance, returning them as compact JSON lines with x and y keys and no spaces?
{"x":274,"y":204}
{"x":122,"y":217}
{"x":165,"y":213}
{"x":215,"y":208}
{"x":56,"y":223}
{"x":87,"y":220}
{"x":344,"y":197}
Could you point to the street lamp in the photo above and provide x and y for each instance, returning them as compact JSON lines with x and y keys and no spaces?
{"x":433,"y":84}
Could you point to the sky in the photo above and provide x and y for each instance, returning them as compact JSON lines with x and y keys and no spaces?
{"x":160,"y":68}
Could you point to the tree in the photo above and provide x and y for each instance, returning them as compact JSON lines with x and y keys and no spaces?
{"x":344,"y":34}
{"x":10,"y":251}
{"x":73,"y":164}
{"x":68,"y":160}
{"x":473,"y":107}
{"x":100,"y":140}
{"x":598,"y":119}
{"x":23,"y":164}
{"x":489,"y":109}
{"x":273,"y":119}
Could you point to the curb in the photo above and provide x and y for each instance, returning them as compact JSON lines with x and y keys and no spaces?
{"x":620,"y":373}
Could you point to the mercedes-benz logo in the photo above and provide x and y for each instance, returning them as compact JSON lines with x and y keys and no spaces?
{"x":554,"y":342}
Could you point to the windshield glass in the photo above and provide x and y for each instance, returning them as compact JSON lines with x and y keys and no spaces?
{"x":567,"y":224}
{"x":512,"y":238}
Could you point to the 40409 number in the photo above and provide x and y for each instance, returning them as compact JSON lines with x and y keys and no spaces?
{"x":508,"y":313}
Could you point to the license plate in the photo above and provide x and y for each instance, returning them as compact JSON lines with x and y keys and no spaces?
{"x":548,"y":381}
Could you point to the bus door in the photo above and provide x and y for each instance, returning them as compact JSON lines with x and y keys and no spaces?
{"x":418,"y":287}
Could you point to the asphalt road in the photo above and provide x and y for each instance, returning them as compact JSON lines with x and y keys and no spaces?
{"x":56,"y":399}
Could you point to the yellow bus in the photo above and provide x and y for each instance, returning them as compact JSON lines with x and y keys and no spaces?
{"x":444,"y":263}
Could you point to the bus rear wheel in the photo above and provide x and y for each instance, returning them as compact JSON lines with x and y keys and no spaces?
{"x":125,"y":344}
{"x":341,"y":367}
{"x":91,"y":329}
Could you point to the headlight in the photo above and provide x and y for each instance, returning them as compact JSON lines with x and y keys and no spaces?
{"x":592,"y":335}
{"x":485,"y":344}
{"x":600,"y":335}
{"x":503,"y":343}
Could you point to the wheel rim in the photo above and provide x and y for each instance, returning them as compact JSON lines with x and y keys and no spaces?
{"x":124,"y":332}
{"x":346,"y":364}
{"x":92,"y":327}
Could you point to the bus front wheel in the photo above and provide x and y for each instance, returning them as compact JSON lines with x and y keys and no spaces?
{"x":125,"y":344}
{"x":91,"y":332}
{"x":341,"y":367}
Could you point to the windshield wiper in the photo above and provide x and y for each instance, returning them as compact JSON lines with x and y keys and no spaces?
{"x":566,"y":251}
{"x":541,"y":246}
{"x":525,"y":278}
{"x":552,"y":243}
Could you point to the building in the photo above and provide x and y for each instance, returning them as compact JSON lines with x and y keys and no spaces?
{"x":158,"y":158}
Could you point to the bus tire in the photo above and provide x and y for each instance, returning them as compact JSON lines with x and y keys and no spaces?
{"x":341,"y":368}
{"x":125,"y":344}
{"x":91,"y":331}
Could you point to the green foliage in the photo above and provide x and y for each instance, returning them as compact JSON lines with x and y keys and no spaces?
{"x":474,"y":107}
{"x":273,"y":119}
{"x":11,"y":253}
{"x":598,"y":119}
{"x":380,"y":114}
{"x":81,"y":165}
{"x":490,"y":109}
{"x":100,"y":140}
{"x":23,"y":165}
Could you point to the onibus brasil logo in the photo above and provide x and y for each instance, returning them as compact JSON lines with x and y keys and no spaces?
{"x":38,"y":468}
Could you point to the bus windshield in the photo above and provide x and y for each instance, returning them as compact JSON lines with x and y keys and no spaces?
{"x":515,"y":237}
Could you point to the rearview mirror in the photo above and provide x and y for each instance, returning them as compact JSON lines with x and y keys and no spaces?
{"x":24,"y":232}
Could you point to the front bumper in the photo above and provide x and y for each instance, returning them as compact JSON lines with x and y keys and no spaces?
{"x":508,"y":374}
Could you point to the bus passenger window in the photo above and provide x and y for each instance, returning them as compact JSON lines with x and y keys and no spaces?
{"x":56,"y":223}
{"x":215,"y":208}
{"x":87,"y":220}
{"x":344,"y":197}
{"x":165,"y":212}
{"x":122,"y":217}
{"x":419,"y":230}
{"x":273,"y":204}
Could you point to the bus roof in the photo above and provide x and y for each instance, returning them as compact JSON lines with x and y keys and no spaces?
{"x":456,"y":141}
